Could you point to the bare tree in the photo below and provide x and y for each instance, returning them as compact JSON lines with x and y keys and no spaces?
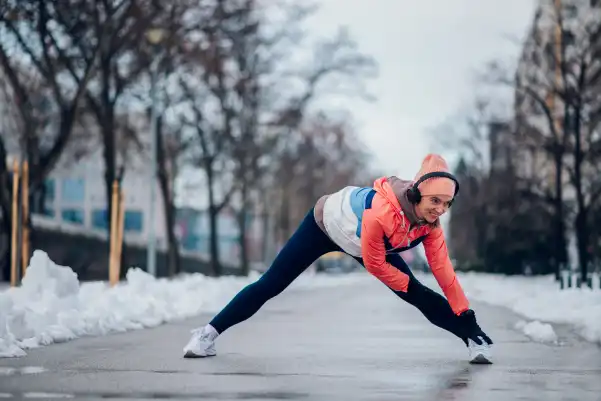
{"x":29,"y":23}
{"x":565,"y":89}
{"x":556,"y":91}
{"x":242,"y":104}
{"x":258,"y":47}
{"x":494,"y":225}
{"x":336,"y":62}
{"x":33,"y":43}
{"x":532,"y":139}
{"x":171,"y":146}
{"x":202,"y":86}
{"x":471,"y":136}
{"x":581,"y":73}
{"x":122,"y":59}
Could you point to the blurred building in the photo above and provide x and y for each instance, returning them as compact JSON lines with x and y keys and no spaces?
{"x":192,"y":227}
{"x":557,"y":25}
{"x":74,"y":196}
{"x":75,"y":191}
{"x":561,"y":31}
{"x":501,"y":152}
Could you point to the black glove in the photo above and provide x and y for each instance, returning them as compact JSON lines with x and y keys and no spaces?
{"x":471,"y":329}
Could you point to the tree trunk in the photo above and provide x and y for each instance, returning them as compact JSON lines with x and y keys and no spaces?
{"x":244,"y":263}
{"x":173,"y":251}
{"x":105,"y":114}
{"x":108,"y":154}
{"x":213,"y":211}
{"x":104,"y":111}
{"x":265,"y":233}
{"x":582,"y":231}
{"x":560,"y":248}
{"x":173,"y":247}
{"x":285,"y":215}
{"x":5,"y":210}
{"x":582,"y":235}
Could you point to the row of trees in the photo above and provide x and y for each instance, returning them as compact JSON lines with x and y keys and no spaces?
{"x":237,"y":89}
{"x":534,"y":174}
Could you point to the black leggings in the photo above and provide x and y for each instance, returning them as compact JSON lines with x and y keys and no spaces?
{"x":305,"y":246}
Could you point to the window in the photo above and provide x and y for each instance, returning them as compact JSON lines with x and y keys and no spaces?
{"x":133,"y":220}
{"x":73,"y":190}
{"x":193,"y":242}
{"x":72,"y":215}
{"x":49,"y":190}
{"x":48,"y":198}
{"x":570,"y":11}
{"x":99,"y":219}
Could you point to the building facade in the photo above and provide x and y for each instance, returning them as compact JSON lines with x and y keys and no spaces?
{"x":562,"y":34}
{"x":74,"y":198}
{"x":75,"y":191}
{"x":559,"y":33}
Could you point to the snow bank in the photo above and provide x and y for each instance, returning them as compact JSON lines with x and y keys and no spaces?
{"x":540,"y":332}
{"x":52,"y":306}
{"x":539,"y":299}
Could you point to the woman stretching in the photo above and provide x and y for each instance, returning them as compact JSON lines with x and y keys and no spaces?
{"x":373,"y":225}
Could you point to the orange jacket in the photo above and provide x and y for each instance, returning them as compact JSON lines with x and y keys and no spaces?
{"x":386,"y":219}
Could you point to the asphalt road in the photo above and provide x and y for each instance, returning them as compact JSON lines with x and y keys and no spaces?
{"x":351,"y":343}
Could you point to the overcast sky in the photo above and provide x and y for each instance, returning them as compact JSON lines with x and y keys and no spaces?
{"x":427,"y":51}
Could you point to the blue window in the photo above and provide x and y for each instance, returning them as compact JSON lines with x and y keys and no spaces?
{"x":49,"y":190}
{"x":191,"y":242}
{"x":99,"y":219}
{"x":72,"y":215}
{"x":73,"y":190}
{"x":133,"y":220}
{"x":48,"y":197}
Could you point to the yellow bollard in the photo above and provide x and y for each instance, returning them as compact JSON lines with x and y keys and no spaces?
{"x":113,"y":237}
{"x":25,"y":222}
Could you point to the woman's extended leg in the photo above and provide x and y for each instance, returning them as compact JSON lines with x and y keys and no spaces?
{"x":305,"y":246}
{"x":434,"y":306}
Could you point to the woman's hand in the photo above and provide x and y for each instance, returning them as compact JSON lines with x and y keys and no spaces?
{"x":472,"y":329}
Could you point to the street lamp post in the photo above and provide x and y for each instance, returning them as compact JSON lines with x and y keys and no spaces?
{"x":154,"y":36}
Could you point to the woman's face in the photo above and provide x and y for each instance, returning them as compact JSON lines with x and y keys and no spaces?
{"x":432,"y":207}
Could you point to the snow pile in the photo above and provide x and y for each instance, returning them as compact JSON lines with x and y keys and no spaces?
{"x":8,"y":346}
{"x":539,"y":298}
{"x":541,"y":332}
{"x":52,"y":306}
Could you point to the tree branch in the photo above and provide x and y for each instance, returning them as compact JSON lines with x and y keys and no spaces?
{"x":227,"y":198}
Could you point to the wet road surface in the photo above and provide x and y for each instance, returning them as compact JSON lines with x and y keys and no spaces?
{"x":357,"y":342}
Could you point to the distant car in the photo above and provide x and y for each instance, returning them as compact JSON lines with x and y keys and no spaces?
{"x":336,"y":263}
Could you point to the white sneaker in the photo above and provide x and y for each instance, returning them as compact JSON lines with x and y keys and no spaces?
{"x":479,"y":354}
{"x":202,"y":343}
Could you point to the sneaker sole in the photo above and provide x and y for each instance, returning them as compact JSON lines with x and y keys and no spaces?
{"x":480,"y":360}
{"x":191,"y":355}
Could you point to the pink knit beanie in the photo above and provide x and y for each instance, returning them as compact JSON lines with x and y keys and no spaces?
{"x":436,"y":185}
